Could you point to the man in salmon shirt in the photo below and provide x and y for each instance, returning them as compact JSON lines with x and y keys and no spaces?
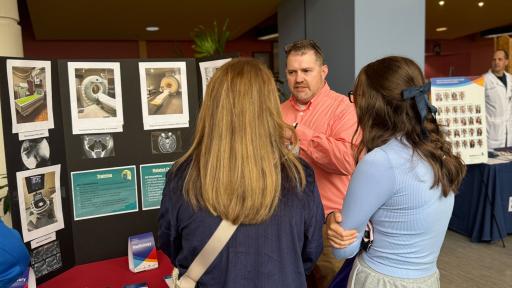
{"x":325,"y":122}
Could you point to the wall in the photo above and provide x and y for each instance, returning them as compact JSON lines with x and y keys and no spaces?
{"x":384,"y":28}
{"x":466,"y":56}
{"x":245,"y":45}
{"x":354,"y":32}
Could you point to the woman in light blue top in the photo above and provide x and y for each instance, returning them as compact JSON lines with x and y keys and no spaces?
{"x":404,"y":185}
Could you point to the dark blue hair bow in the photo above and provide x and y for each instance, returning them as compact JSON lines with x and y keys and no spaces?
{"x":420,"y":97}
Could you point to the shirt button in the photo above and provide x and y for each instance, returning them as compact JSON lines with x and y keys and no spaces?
{"x":301,"y":113}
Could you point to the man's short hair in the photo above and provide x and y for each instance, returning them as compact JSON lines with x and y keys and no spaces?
{"x":303,"y":46}
{"x":504,"y":52}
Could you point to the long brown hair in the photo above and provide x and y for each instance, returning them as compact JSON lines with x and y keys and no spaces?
{"x":383,"y":114}
{"x":238,"y":152}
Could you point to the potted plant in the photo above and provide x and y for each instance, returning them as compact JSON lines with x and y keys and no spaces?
{"x":210,"y":41}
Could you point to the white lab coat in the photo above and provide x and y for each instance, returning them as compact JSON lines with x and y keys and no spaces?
{"x":498,"y":106}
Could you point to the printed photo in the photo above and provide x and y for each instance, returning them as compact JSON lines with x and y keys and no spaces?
{"x":208,"y":68}
{"x":46,"y":258}
{"x":35,"y":153}
{"x":95,"y":97}
{"x":164,"y":94}
{"x":95,"y":93}
{"x":166,"y":142}
{"x":30,"y":94}
{"x":446,"y":96}
{"x":40,"y":201}
{"x":97,"y":146}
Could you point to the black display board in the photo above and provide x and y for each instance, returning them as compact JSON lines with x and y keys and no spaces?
{"x":14,"y":164}
{"x":99,"y":238}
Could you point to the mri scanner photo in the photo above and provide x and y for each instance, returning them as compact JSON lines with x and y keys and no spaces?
{"x":163,"y":91}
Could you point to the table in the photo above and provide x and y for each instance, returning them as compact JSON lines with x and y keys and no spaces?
{"x":111,"y":273}
{"x":481,"y":208}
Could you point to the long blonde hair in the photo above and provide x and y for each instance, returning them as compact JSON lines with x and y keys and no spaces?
{"x":238,"y":156}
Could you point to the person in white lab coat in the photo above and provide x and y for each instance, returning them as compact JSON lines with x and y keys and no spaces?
{"x":498,"y":102}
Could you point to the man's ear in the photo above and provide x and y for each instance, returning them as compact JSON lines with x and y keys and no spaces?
{"x":325,"y":70}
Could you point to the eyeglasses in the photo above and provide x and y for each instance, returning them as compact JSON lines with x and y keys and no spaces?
{"x":350,"y":96}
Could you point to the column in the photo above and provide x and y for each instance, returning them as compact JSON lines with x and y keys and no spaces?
{"x":353,"y":33}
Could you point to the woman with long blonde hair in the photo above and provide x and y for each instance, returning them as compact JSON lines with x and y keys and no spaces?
{"x":240,"y":170}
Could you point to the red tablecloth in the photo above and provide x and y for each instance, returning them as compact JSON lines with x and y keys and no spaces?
{"x":112,"y":273}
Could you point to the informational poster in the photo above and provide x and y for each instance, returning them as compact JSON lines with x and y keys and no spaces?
{"x":30,"y":94}
{"x":40,"y":201}
{"x":208,"y":68}
{"x":104,"y":192}
{"x":152,"y":182}
{"x":95,"y":97}
{"x":164,"y":94}
{"x":460,"y":103}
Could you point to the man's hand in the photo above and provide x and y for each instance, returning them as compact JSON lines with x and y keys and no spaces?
{"x":337,"y":236}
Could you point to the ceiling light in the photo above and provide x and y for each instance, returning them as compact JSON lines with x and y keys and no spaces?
{"x":441,"y":29}
{"x":152,"y":28}
{"x":269,"y":37}
{"x":481,"y":4}
{"x":441,"y":3}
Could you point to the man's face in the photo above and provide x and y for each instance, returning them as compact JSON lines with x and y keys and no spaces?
{"x":305,"y":75}
{"x":499,"y":62}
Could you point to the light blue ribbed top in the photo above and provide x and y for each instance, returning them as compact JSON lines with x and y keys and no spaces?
{"x":391,"y":187}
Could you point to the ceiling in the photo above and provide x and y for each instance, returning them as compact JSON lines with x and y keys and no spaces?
{"x":464,"y":17}
{"x":127,"y":19}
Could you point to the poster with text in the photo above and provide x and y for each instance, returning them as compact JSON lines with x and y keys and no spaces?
{"x":460,"y":103}
{"x":95,"y":97}
{"x":152,"y":182}
{"x":104,"y":192}
{"x":208,"y":68}
{"x":40,"y":201}
{"x":164,"y":94}
{"x":30,"y":94}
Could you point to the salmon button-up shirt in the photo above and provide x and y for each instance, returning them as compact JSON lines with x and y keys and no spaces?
{"x":325,"y":127}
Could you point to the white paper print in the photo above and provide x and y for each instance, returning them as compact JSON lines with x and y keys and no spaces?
{"x":40,"y":201}
{"x":208,"y":68}
{"x":460,"y":103}
{"x":95,"y":97}
{"x":164,"y":94}
{"x":30,"y":94}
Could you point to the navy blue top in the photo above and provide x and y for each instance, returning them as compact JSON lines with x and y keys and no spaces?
{"x":276,"y":253}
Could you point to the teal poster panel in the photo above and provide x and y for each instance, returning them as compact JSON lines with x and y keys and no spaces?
{"x":104,"y":192}
{"x":152,"y":182}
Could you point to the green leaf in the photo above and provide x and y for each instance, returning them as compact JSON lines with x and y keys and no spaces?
{"x":210,"y":41}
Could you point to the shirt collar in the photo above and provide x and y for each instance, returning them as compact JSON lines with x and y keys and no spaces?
{"x":322,"y":93}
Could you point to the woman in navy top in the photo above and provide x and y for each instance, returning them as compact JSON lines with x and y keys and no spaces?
{"x":239,"y":169}
{"x":404,"y":185}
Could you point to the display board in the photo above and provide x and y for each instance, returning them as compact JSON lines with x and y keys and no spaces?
{"x":53,"y":253}
{"x":75,"y":181}
{"x":460,"y":103}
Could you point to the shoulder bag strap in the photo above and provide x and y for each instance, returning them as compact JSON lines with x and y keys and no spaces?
{"x":209,"y":252}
